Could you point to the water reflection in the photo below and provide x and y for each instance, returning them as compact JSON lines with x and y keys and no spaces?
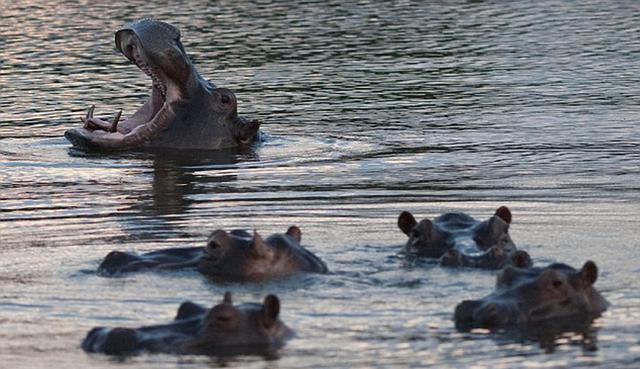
{"x":177,"y":176}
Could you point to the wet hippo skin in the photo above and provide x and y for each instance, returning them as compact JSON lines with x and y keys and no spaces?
{"x":184,"y":111}
{"x":225,"y":329}
{"x":458,"y":239}
{"x":229,"y":256}
{"x":532,"y":295}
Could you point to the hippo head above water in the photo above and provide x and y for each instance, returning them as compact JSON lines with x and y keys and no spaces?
{"x":457,"y":239}
{"x":240,"y":256}
{"x":534,"y":295}
{"x":184,"y":111}
{"x":228,"y":256}
{"x":225,"y":329}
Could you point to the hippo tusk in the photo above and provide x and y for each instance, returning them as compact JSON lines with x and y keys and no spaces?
{"x":86,"y":137}
{"x":114,"y":123}
{"x":89,"y":115}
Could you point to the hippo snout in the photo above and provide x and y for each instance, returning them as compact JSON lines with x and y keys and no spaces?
{"x":90,"y":343}
{"x":452,"y":257}
{"x":121,"y":341}
{"x":480,"y":314}
{"x":464,"y":314}
{"x":116,"y":341}
{"x":114,"y":261}
{"x":492,"y":315}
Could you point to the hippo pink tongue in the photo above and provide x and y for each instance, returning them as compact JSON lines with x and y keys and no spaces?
{"x":145,"y":132}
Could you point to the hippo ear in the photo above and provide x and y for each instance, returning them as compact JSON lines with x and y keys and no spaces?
{"x":259,"y":248}
{"x":246,"y":131}
{"x":227,"y":298}
{"x":406,"y":222}
{"x":295,"y":233}
{"x":589,"y":273}
{"x":270,"y":310}
{"x":504,"y":213}
{"x":497,"y":226}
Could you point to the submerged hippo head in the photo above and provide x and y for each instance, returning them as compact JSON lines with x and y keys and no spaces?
{"x":238,"y":255}
{"x":228,"y":256}
{"x":458,"y":239}
{"x":525,"y":296}
{"x":222,"y":330}
{"x":184,"y":111}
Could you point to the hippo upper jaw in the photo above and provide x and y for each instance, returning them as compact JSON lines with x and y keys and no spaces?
{"x":155,"y":48}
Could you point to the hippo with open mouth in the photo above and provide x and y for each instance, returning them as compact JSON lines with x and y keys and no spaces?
{"x":184,"y":110}
{"x":235,"y":256}
{"x":534,"y":295}
{"x":458,"y":239}
{"x":225,"y":329}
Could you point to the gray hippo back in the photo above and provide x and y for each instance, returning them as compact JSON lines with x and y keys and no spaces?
{"x":458,"y":239}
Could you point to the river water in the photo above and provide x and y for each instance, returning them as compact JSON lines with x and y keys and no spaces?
{"x":370,"y":108}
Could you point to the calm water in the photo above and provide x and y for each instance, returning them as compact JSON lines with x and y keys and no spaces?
{"x":370,"y":108}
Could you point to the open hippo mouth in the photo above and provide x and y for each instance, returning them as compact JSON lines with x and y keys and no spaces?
{"x":159,"y":85}
{"x":131,"y":46}
{"x":155,"y":48}
{"x":184,"y":111}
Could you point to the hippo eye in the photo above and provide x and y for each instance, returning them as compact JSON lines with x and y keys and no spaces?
{"x":556,"y":284}
{"x":225,"y":99}
{"x":415,"y":233}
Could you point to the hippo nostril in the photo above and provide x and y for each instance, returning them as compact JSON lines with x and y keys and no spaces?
{"x":521,"y":259}
{"x":490,"y":315}
{"x":223,"y":319}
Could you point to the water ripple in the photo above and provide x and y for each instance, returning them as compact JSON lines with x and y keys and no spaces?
{"x":370,"y":108}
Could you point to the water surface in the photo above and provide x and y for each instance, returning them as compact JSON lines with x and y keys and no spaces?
{"x":370,"y":108}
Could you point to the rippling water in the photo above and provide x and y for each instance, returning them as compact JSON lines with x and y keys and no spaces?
{"x":370,"y":108}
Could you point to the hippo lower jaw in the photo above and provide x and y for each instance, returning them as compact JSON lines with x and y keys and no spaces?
{"x":109,"y":141}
